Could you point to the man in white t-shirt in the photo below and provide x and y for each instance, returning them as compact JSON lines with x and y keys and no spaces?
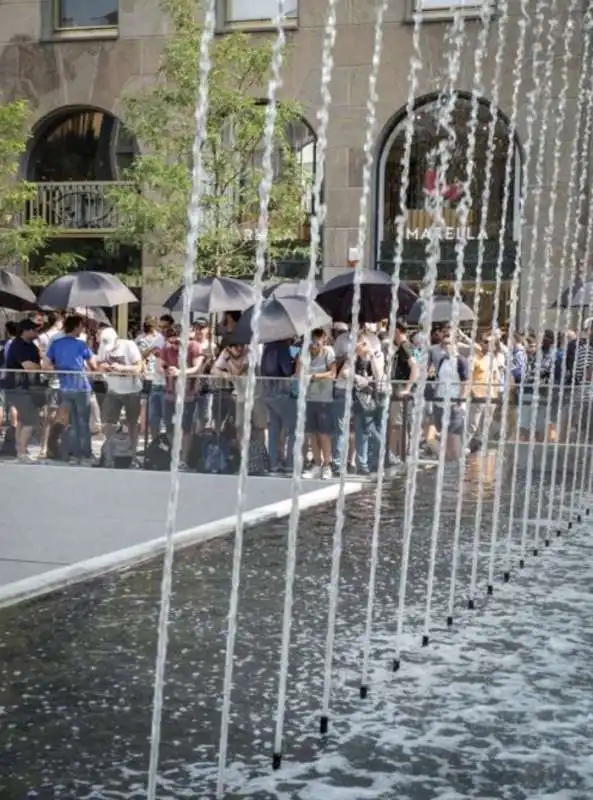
{"x":121,"y":362}
{"x":452,"y":387}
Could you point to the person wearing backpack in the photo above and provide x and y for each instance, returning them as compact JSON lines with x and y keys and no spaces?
{"x":277,"y":368}
{"x":404,"y":375}
{"x":452,"y":386}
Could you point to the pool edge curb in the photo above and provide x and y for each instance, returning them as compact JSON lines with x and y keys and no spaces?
{"x":58,"y":579}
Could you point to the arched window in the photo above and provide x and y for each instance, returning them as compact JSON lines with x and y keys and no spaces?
{"x":485,"y":220}
{"x":80,"y":144}
{"x":75,"y":154}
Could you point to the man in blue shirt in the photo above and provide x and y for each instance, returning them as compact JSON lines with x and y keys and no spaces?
{"x":69,"y":355}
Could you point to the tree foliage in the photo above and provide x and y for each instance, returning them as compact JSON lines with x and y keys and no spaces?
{"x":162,"y":117}
{"x":19,"y":236}
{"x":24,"y":234}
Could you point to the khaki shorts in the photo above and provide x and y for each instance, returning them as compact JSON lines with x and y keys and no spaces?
{"x":114,"y":403}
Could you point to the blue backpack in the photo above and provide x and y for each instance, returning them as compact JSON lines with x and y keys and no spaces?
{"x":216,"y":456}
{"x":277,"y":361}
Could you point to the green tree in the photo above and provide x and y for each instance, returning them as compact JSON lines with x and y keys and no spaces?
{"x":23,"y":233}
{"x":153,"y":206}
{"x":19,"y":236}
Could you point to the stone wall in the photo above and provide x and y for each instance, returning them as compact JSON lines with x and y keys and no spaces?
{"x":52,"y":72}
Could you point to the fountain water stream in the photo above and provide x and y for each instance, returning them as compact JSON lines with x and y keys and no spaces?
{"x":327,"y":62}
{"x":415,"y":67}
{"x":446,"y":105}
{"x":533,"y":98}
{"x":265,"y":188}
{"x":369,"y":152}
{"x":194,"y":222}
{"x":478,"y":90}
{"x":546,"y":36}
{"x":549,"y":236}
{"x":545,"y":280}
{"x":583,"y":393}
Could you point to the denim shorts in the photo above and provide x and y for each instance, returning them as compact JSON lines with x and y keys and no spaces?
{"x":22,"y":400}
{"x":320,"y":418}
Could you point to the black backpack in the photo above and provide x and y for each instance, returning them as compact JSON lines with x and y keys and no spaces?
{"x":158,"y":454}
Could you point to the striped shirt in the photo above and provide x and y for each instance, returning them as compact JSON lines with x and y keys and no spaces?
{"x":583,"y":364}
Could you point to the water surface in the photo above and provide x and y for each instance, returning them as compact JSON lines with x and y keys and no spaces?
{"x":500,"y":707}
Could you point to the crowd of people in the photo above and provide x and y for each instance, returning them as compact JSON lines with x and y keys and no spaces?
{"x":67,"y":383}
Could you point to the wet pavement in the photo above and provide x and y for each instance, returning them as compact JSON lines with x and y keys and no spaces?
{"x":499,"y":707}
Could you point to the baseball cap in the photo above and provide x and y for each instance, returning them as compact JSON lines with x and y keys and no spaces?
{"x":340,"y":326}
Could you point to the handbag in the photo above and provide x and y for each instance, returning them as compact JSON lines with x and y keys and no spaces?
{"x":364,"y":397}
{"x":365,"y":401}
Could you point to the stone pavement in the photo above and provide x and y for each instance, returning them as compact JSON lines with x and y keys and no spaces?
{"x":53,"y":517}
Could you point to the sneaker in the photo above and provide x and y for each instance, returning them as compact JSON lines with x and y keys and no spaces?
{"x":364,"y":471}
{"x":326,"y":474}
{"x":26,"y":459}
{"x":393,"y":460}
{"x":312,"y":474}
{"x":352,"y":470}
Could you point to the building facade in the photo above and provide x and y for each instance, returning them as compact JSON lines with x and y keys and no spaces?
{"x":73,"y":60}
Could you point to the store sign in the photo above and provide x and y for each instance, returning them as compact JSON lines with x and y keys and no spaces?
{"x":446,"y":233}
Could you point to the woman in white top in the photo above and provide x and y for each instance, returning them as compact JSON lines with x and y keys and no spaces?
{"x":121,"y":362}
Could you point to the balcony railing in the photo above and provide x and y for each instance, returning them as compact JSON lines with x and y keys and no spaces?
{"x":75,"y":208}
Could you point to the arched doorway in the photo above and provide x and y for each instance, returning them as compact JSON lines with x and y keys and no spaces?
{"x":80,"y":144}
{"x":482,"y":219}
{"x":76,"y":154}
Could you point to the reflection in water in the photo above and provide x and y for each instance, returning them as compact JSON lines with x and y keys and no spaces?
{"x":77,"y":682}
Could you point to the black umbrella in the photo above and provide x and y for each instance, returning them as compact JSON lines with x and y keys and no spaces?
{"x":281,"y":318}
{"x":214,"y":296}
{"x":442,"y":311}
{"x":93,"y":314}
{"x":568,"y":294}
{"x":582,"y":297}
{"x":337,"y":296}
{"x":290,"y":289}
{"x":86,"y":289}
{"x":14,"y":293}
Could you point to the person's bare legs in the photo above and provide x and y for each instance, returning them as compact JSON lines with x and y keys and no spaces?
{"x":395,"y":440}
{"x":453,"y":451}
{"x":48,"y":418}
{"x":23,"y":435}
{"x":325,"y":446}
{"x":316,"y":448}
